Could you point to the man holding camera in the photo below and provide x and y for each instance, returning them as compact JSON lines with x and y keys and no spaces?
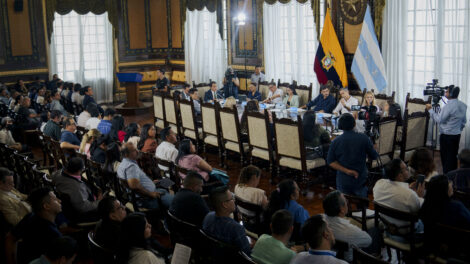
{"x":451,"y":119}
{"x":231,"y":84}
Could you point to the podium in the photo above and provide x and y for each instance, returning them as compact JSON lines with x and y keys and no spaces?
{"x":131,"y":82}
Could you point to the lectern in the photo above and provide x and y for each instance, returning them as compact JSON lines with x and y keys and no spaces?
{"x":131,"y":82}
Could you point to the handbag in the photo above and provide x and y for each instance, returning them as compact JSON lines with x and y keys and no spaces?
{"x":220,"y":176}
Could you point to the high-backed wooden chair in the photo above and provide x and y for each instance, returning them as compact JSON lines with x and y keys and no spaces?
{"x":259,"y":137}
{"x":251,"y":215}
{"x":171,"y":113}
{"x":381,"y":99}
{"x":202,"y":88}
{"x":414,"y":134}
{"x":159,"y":109}
{"x":304,"y":92}
{"x":358,"y":204}
{"x":100,"y":254}
{"x":386,"y":140}
{"x":283,"y":86}
{"x":211,"y":128}
{"x":415,"y":104}
{"x":361,"y":257}
{"x":182,"y":232}
{"x":231,"y":136}
{"x":448,"y":242}
{"x":188,"y":122}
{"x":290,"y":151}
{"x":358,"y":94}
{"x":263,"y":88}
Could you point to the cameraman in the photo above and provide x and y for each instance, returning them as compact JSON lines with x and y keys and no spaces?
{"x":451,"y":119}
{"x":231,"y":84}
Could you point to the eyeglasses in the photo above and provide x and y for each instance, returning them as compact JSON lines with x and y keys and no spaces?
{"x":231,"y":199}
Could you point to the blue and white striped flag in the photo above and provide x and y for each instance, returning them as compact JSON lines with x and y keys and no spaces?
{"x":368,"y":65}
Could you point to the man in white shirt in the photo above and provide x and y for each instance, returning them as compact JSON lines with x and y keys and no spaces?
{"x":40,"y":97}
{"x":395,"y":192}
{"x":275,"y":95}
{"x":344,"y":105}
{"x":257,"y":76}
{"x":167,"y":150}
{"x":95,"y":119}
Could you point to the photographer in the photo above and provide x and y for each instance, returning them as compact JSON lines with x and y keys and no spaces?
{"x":231,"y":84}
{"x":451,"y":119}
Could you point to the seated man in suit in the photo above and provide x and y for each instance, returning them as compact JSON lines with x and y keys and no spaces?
{"x":461,"y":176}
{"x":195,"y":97}
{"x":185,"y":93}
{"x":211,"y":95}
{"x":13,"y":204}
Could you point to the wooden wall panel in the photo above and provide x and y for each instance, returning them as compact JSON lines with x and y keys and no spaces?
{"x":137,"y":29}
{"x":159,"y":23}
{"x":176,"y":40}
{"x":20,"y":30}
{"x":247,"y":29}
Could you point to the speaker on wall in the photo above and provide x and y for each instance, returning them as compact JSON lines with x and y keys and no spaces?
{"x":18,"y":5}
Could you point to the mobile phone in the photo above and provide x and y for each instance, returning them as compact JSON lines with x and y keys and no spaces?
{"x":420,"y":178}
{"x":355,"y":107}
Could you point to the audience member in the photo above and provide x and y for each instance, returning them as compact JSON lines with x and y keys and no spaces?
{"x":21,"y":87}
{"x":117,"y":133}
{"x":132,"y":134}
{"x":218,"y":223}
{"x":87,"y":139}
{"x":324,"y":102}
{"x":230,"y":102}
{"x":76,"y":97}
{"x":56,"y":105}
{"x":14,"y":99}
{"x":36,"y":230}
{"x":347,"y":155}
{"x":344,"y":105}
{"x":422,"y":162}
{"x":52,"y":127}
{"x":253,"y":93}
{"x":16,"y":103}
{"x":167,"y":150}
{"x":95,"y":118}
{"x":139,"y":182}
{"x":105,"y":125}
{"x":113,"y":157}
{"x":257,"y":76}
{"x":13,"y":204}
{"x":315,"y":136}
{"x":68,"y":139}
{"x":26,"y":116}
{"x":291,"y":99}
{"x":162,"y":83}
{"x":231,"y":83}
{"x":98,"y":149}
{"x":320,"y":240}
{"x":185,"y":94}
{"x":197,"y":105}
{"x":273,"y":249}
{"x":6,"y":136}
{"x":4,"y":98}
{"x":134,"y":244}
{"x":275,"y":95}
{"x":188,"y":159}
{"x":147,"y":142}
{"x":247,"y":190}
{"x":461,"y":176}
{"x":40,"y":96}
{"x":88,"y":98}
{"x":107,"y":230}
{"x":188,"y":204}
{"x":211,"y":95}
{"x":85,"y":115}
{"x":60,"y":250}
{"x":68,"y":181}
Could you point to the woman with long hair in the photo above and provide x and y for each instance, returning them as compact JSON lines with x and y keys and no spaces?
{"x":134,"y":244}
{"x":113,"y":157}
{"x":189,"y":160}
{"x":87,"y":139}
{"x":132,"y":134}
{"x":147,"y":142}
{"x":291,"y":99}
{"x":98,"y":149}
{"x":247,"y":187}
{"x":421,"y":162}
{"x":117,"y":125}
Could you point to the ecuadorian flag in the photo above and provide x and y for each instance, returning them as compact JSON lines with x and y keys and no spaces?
{"x":329,"y":60}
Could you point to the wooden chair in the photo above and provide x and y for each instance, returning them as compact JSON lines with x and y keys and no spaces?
{"x":464,"y":197}
{"x":251,"y":215}
{"x":304,"y":92}
{"x":386,"y":140}
{"x":361,"y":257}
{"x":171,"y":113}
{"x":159,"y":109}
{"x":450,"y":243}
{"x":415,"y":104}
{"x":290,"y":151}
{"x":100,"y":254}
{"x":381,"y":99}
{"x":358,"y":94}
{"x":283,"y":86}
{"x":384,"y":213}
{"x":259,"y":137}
{"x":358,"y":204}
{"x":231,"y":136}
{"x":263,"y":88}
{"x":215,"y":251}
{"x":414,"y":134}
{"x":188,"y":122}
{"x":211,"y":128}
{"x":202,"y":88}
{"x":340,"y":247}
{"x":182,"y":232}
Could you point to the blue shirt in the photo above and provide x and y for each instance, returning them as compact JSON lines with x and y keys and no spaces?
{"x":299,"y":213}
{"x":69,"y":137}
{"x":128,"y":169}
{"x":104,"y":126}
{"x":256,"y":96}
{"x":320,"y":103}
{"x":452,"y":118}
{"x":227,"y":230}
{"x":88,"y":99}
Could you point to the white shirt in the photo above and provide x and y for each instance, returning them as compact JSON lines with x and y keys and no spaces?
{"x":134,"y":140}
{"x":166,"y":151}
{"x":397,"y":195}
{"x":347,"y":232}
{"x":277,"y":100}
{"x":92,"y":123}
{"x":307,"y":258}
{"x":340,"y":109}
{"x":40,"y":100}
{"x":77,"y":98}
{"x":83,"y":118}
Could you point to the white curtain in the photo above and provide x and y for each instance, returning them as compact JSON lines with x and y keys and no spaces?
{"x":290,"y":43}
{"x":204,"y":50}
{"x":82,"y":52}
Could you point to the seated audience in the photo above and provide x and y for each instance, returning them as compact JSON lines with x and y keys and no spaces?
{"x":6,"y":136}
{"x":134,"y":243}
{"x":320,"y":240}
{"x":230,"y":102}
{"x":253,"y":93}
{"x":112,"y":213}
{"x":291,"y":99}
{"x":247,"y":190}
{"x":218,"y":223}
{"x":139,"y":182}
{"x":315,"y":136}
{"x":347,"y":155}
{"x":197,"y":105}
{"x":113,"y":157}
{"x":211,"y":95}
{"x":275,"y":95}
{"x":76,"y":97}
{"x":147,"y":142}
{"x":16,"y":103}
{"x":105,"y":125}
{"x":60,"y":250}
{"x":15,"y":98}
{"x":167,"y":150}
{"x":36,"y":230}
{"x":344,"y":105}
{"x":95,"y":118}
{"x":461,"y":176}
{"x":132,"y":134}
{"x":27,"y":117}
{"x":394,"y":192}
{"x":324,"y":102}
{"x":52,"y":127}
{"x":335,"y":206}
{"x":273,"y":249}
{"x":87,"y":140}
{"x":88,"y":98}
{"x":85,"y":115}
{"x":185,"y":93}
{"x":98,"y":149}
{"x":4,"y":97}
{"x":422,"y":162}
{"x":68,"y":181}
{"x":13,"y":204}
{"x":188,"y":204}
{"x":188,"y":159}
{"x":117,"y":133}
{"x":40,"y":96}
{"x":56,"y":105}
{"x":21,"y":87}
{"x":68,"y":139}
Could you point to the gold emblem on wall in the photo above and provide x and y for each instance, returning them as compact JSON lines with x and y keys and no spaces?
{"x":352,"y":11}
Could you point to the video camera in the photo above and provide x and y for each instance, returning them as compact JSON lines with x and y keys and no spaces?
{"x":435,"y":91}
{"x":371,"y":121}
